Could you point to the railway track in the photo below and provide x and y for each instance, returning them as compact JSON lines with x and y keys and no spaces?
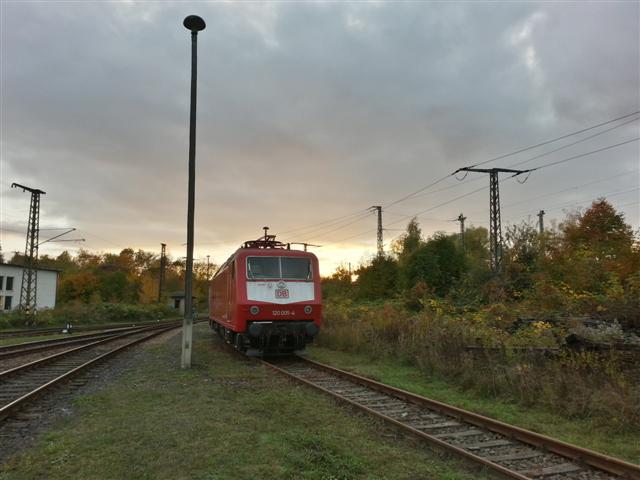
{"x":21,"y":385}
{"x":511,"y":451}
{"x":21,"y":349}
{"x":36,"y":332}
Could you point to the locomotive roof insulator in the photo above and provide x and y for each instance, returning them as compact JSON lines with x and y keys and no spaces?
{"x":267,"y":241}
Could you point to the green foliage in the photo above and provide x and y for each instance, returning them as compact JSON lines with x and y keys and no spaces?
{"x":587,"y":267}
{"x":378,"y":279}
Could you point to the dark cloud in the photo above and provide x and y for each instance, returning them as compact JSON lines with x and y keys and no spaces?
{"x":306,"y":111}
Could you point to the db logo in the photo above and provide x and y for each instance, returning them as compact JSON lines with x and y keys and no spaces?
{"x":282,"y":293}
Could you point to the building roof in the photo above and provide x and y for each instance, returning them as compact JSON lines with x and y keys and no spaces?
{"x":22,"y":266}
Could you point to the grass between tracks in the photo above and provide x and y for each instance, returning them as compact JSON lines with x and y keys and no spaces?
{"x":226,"y":418}
{"x":582,"y":432}
{"x":18,"y":340}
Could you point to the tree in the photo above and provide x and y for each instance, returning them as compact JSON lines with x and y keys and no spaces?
{"x":602,"y":230}
{"x":78,"y":287}
{"x":412,"y":239}
{"x":522,"y":254}
{"x":405,"y":248}
{"x":592,"y":247}
{"x":378,"y":279}
{"x":438,"y":263}
{"x":338,"y":284}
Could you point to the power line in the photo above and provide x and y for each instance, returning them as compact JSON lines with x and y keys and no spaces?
{"x":531,"y":147}
{"x":536,"y":168}
{"x":556,"y":139}
{"x":404,"y":215}
{"x":574,"y":143}
{"x":557,"y":162}
{"x":406,"y":197}
{"x":455,"y":185}
{"x":325,"y":233}
{"x":330,"y":221}
{"x":573,"y":202}
{"x":416,"y":214}
{"x":358,"y":215}
{"x":545,"y":195}
{"x":367,"y":232}
{"x":443,"y":203}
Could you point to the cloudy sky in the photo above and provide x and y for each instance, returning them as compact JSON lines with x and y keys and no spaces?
{"x":308,"y":114}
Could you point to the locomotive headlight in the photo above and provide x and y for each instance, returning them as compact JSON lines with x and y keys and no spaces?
{"x":254,"y":310}
{"x":308,"y":309}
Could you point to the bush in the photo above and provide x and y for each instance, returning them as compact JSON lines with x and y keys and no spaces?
{"x":579,"y":384}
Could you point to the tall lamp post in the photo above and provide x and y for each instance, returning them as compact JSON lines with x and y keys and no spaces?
{"x":195,"y":24}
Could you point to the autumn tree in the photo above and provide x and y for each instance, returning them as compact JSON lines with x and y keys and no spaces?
{"x":338,"y":284}
{"x":521,"y":256}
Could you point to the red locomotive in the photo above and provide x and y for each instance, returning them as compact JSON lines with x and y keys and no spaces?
{"x":266,"y":298}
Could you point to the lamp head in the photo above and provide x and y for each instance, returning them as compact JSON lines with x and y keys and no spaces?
{"x":194,"y":23}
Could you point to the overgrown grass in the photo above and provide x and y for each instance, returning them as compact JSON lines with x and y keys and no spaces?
{"x":86,"y":314}
{"x":224,"y":419}
{"x":581,"y":385}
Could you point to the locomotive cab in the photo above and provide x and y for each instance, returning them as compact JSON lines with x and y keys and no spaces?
{"x":266,"y":298}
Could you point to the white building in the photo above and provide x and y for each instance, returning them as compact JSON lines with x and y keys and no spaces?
{"x":11,"y":283}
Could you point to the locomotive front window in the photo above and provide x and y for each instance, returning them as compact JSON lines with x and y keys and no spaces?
{"x":287,"y":268}
{"x":263,"y":267}
{"x":296,"y":268}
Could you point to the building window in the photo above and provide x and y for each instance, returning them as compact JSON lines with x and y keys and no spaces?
{"x":9,"y":283}
{"x":7,"y":302}
{"x":1,"y":281}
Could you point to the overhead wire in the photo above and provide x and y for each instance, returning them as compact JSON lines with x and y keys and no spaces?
{"x":573,"y":143}
{"x":581,"y":155}
{"x":541,"y":144}
{"x":516,"y":175}
{"x":531,"y":147}
{"x":356,"y":235}
{"x":329,"y":221}
{"x":593,"y":182}
{"x":325,"y":233}
{"x":508,"y":178}
{"x":320,"y":229}
{"x":574,"y":202}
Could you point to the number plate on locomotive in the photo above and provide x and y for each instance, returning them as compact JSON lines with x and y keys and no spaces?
{"x":282,"y":293}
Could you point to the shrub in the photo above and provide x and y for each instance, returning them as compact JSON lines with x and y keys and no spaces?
{"x":578,"y":384}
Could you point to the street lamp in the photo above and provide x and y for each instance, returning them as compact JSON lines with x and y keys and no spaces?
{"x":195,"y":24}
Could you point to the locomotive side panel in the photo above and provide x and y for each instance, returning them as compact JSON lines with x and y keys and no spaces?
{"x":220,"y":300}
